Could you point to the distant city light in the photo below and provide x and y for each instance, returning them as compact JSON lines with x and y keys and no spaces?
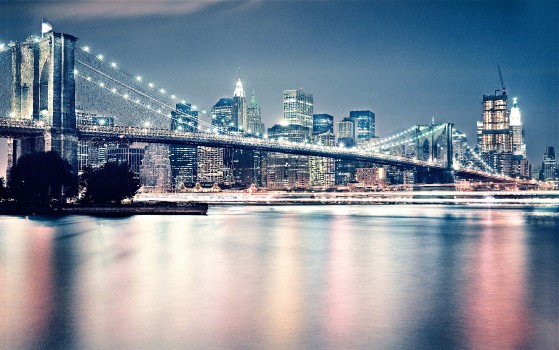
{"x":151,"y":85}
{"x":100,"y":57}
{"x":162,"y":91}
{"x":113,"y":64}
{"x":139,"y":78}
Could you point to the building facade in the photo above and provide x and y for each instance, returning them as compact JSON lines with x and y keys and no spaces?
{"x":183,"y":159}
{"x":363,"y":126}
{"x":298,"y":108}
{"x":254,"y":116}
{"x":286,"y":171}
{"x":322,"y":170}
{"x":496,"y":145}
{"x":549,"y":165}
{"x":222,"y":115}
{"x":239,"y":110}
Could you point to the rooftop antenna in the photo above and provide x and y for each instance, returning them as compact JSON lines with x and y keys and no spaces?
{"x":503,"y":86}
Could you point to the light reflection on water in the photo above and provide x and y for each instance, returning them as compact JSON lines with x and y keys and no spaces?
{"x":284,"y":277}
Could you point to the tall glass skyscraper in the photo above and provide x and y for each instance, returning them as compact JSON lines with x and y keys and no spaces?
{"x":298,"y":108}
{"x":322,"y":170}
{"x":183,"y":158}
{"x":222,"y":115}
{"x":239,"y":111}
{"x":254,"y":116}
{"x":549,"y":165}
{"x":363,"y":126}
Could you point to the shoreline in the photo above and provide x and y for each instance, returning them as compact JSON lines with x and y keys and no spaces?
{"x":108,"y":211}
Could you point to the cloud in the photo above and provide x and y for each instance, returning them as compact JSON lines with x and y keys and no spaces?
{"x":120,"y":8}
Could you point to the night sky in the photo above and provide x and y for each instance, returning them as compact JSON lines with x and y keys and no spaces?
{"x":406,"y":61}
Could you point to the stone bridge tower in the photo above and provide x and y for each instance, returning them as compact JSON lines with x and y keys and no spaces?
{"x":43,"y":90}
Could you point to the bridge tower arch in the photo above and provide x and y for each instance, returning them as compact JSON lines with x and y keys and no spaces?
{"x":436,"y":147}
{"x":43,"y":90}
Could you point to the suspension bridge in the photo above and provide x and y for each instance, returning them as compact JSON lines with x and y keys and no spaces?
{"x":50,"y":73}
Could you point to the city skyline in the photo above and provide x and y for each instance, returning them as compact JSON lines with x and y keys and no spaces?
{"x":411,"y":88}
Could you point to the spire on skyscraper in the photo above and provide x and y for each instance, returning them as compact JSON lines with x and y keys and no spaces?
{"x":239,"y":92}
{"x":515,"y":116}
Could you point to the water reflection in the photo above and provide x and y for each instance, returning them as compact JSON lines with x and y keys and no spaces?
{"x":284,"y":277}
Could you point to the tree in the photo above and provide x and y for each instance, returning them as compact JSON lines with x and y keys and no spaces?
{"x":42,"y":178}
{"x":110,"y":183}
{"x":3,"y":189}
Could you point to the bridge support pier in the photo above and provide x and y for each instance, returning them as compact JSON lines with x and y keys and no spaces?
{"x":43,"y":90}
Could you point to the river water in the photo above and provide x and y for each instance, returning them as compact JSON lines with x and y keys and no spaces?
{"x":284,"y":277}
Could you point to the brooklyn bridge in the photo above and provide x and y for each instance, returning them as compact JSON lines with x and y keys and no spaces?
{"x":51,"y":74}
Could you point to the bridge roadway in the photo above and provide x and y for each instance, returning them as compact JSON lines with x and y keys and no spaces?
{"x":135,"y":134}
{"x":124,"y":134}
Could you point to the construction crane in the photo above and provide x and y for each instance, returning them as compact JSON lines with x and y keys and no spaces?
{"x":503,"y":86}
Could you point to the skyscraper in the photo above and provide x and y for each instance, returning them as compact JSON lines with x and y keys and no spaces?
{"x":183,"y":158}
{"x":322,"y":171}
{"x":222,"y":115}
{"x":363,"y":126}
{"x":516,"y":132}
{"x":286,"y":171}
{"x":254,"y":116}
{"x":322,"y":123}
{"x":520,"y":165}
{"x":549,"y":165}
{"x":210,"y":165}
{"x":239,"y":111}
{"x":496,"y":142}
{"x":346,"y":133}
{"x":298,"y":108}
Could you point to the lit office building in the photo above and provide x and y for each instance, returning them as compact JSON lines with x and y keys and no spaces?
{"x":210,"y":165}
{"x":520,"y":165}
{"x":155,"y":170}
{"x":322,"y":170}
{"x":363,"y":126}
{"x":346,"y":133}
{"x":549,"y":165}
{"x":132,"y":156}
{"x":496,"y":142}
{"x":286,"y":171}
{"x":370,"y":177}
{"x":298,"y":108}
{"x":183,"y":159}
{"x":254,"y":116}
{"x":222,"y":115}
{"x":239,"y":110}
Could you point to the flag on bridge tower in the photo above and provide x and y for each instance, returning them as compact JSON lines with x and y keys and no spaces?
{"x":45,"y":27}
